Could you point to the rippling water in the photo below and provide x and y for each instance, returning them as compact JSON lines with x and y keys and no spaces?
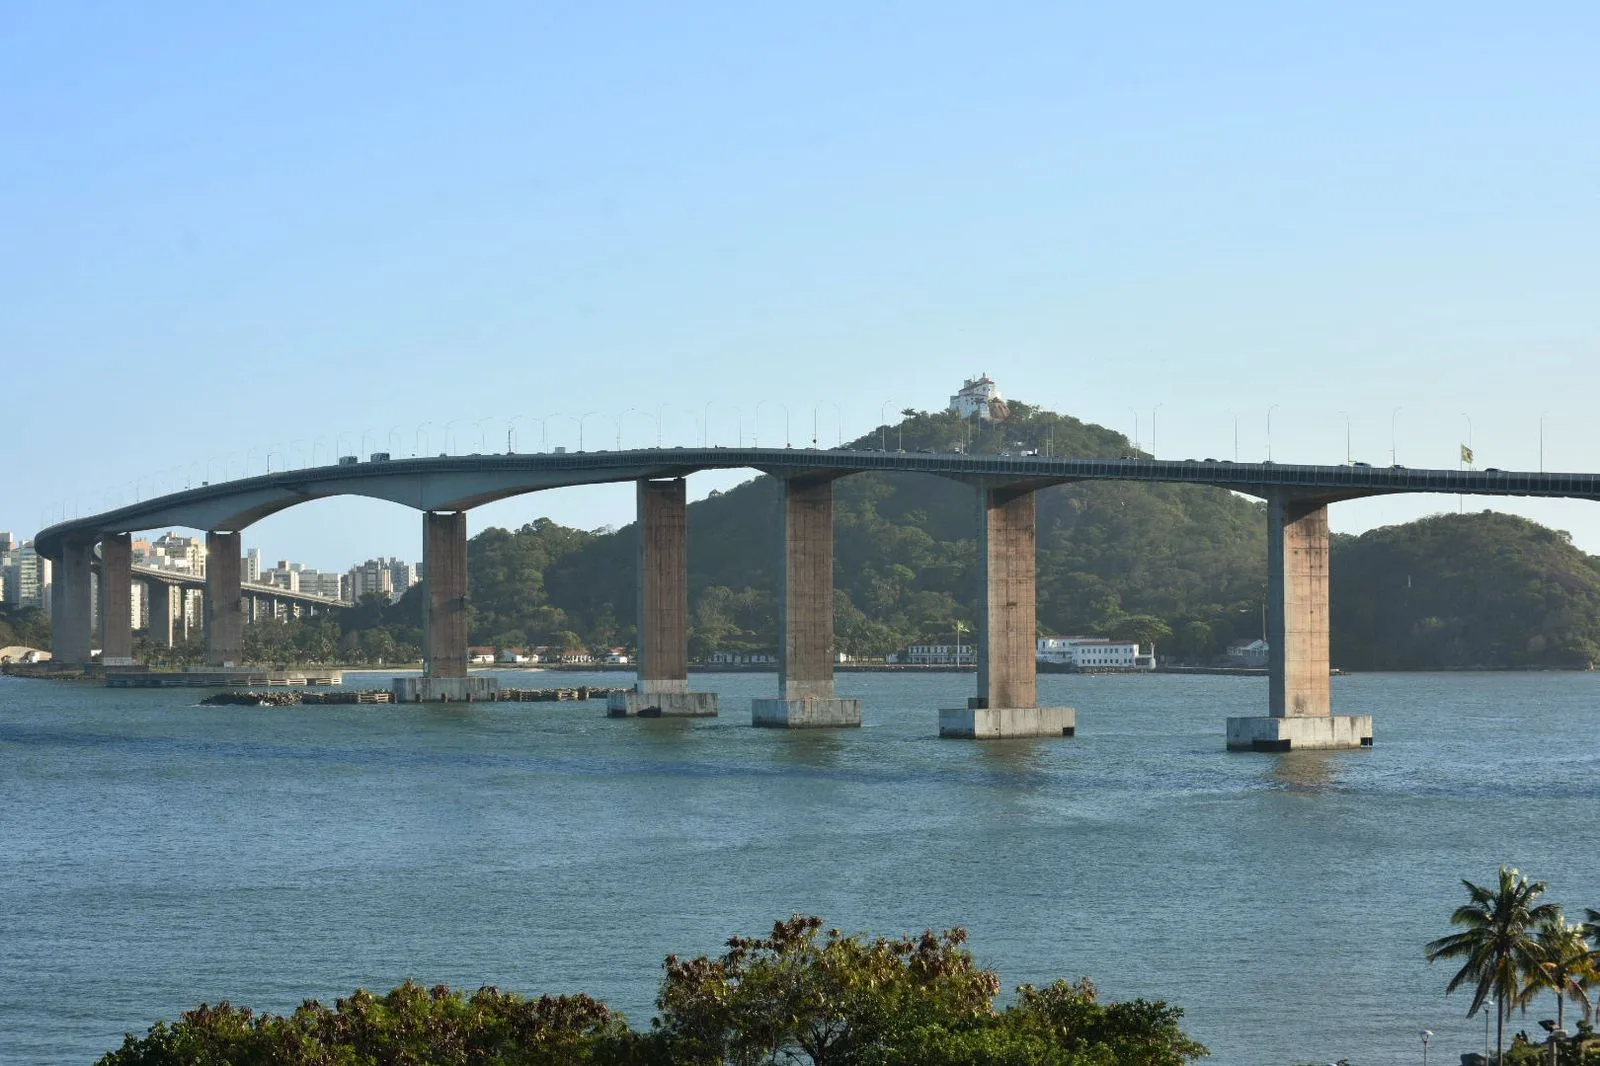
{"x":155,"y":854}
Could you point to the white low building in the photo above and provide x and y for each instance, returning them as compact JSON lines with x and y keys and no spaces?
{"x":941,"y":655}
{"x":1094,"y":653}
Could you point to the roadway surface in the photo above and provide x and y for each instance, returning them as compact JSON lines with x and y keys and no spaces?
{"x":460,"y":482}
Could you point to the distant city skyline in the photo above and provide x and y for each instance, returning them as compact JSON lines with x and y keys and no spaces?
{"x":229,"y":237}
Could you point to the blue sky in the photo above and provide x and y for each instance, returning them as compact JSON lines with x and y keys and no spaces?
{"x":234,"y":231}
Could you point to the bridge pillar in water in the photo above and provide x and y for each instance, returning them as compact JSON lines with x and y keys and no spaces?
{"x":116,"y":600}
{"x":1007,"y":703}
{"x":224,"y":604}
{"x":1300,"y":696}
{"x":662,"y":688}
{"x":444,"y":618}
{"x":805,"y":615}
{"x":71,"y":627}
{"x":158,"y":597}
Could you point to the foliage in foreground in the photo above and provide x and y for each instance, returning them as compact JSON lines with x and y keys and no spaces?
{"x":1511,"y":948}
{"x":800,"y":995}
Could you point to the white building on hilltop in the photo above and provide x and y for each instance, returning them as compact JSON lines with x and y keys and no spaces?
{"x":979,"y":397}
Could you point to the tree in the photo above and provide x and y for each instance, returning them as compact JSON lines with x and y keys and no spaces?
{"x":1566,"y":963}
{"x":1498,"y":947}
{"x":824,"y":998}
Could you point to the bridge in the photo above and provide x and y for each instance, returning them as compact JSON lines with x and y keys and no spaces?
{"x":258,"y":601}
{"x":1299,"y":711}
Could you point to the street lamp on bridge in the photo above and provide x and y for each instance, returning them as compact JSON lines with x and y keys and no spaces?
{"x":756,"y":430}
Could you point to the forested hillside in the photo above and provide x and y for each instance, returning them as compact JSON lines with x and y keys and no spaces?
{"x":1453,"y":591}
{"x":1134,"y":559}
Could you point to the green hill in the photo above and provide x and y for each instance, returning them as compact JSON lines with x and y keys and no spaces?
{"x":1110,"y":556}
{"x":1474,"y":590}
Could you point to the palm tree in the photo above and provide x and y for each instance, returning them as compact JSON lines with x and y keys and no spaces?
{"x":1566,"y":964}
{"x":1498,"y":946}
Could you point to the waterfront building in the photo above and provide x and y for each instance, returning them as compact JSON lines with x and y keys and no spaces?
{"x":1253,"y":653}
{"x":940,"y":655}
{"x":1093,"y":653}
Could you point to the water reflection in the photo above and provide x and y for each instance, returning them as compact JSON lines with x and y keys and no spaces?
{"x":1303,"y":771}
{"x":817,"y":749}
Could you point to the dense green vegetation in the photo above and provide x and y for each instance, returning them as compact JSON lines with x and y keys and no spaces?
{"x":1182,"y":566}
{"x":1151,"y":561}
{"x":27,"y":627}
{"x":1513,"y":947}
{"x":800,"y":995}
{"x":1467,"y":590}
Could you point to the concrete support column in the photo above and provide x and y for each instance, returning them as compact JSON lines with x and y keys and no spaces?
{"x":444,"y":605}
{"x":158,"y":595}
{"x":1007,"y":606}
{"x":71,"y":633}
{"x":805,"y":615}
{"x":1007,"y":704}
{"x":444,"y":618}
{"x":116,"y":599}
{"x":662,"y":688}
{"x":1297,"y":609}
{"x":1300,"y":695}
{"x":224,"y":606}
{"x":663,"y":586}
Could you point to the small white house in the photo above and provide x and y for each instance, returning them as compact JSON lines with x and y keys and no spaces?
{"x":1250,"y":653}
{"x":480,"y":656}
{"x":513,"y":656}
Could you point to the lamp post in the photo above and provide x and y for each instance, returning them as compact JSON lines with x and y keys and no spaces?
{"x":1153,"y":411}
{"x":706,"y":431}
{"x":418,"y":449}
{"x":559,"y":414}
{"x":1235,"y":436}
{"x":838,"y":421}
{"x":449,"y":445}
{"x":883,"y":426}
{"x":1394,"y":446}
{"x":958,"y":628}
{"x":1541,"y":440}
{"x":483,"y":437}
{"x":581,"y":420}
{"x":1346,"y":437}
{"x":1135,"y":412}
{"x":755,"y":437}
{"x":390,"y":439}
{"x":1269,"y":430}
{"x":1427,"y":1035}
{"x":1488,"y":1001}
{"x":624,"y":417}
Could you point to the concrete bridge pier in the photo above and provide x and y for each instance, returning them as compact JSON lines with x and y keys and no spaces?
{"x":1300,"y":697}
{"x":71,"y":632}
{"x":116,"y":599}
{"x":1007,"y":703}
{"x":662,"y":686}
{"x":224,"y":604}
{"x":444,"y":618}
{"x":158,"y":596}
{"x":805,"y":615}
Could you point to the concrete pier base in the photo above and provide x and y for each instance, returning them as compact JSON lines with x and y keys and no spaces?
{"x":816,"y":712}
{"x":661,"y":703}
{"x":1298,"y":734}
{"x":1000,"y":723}
{"x":445,"y":689}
